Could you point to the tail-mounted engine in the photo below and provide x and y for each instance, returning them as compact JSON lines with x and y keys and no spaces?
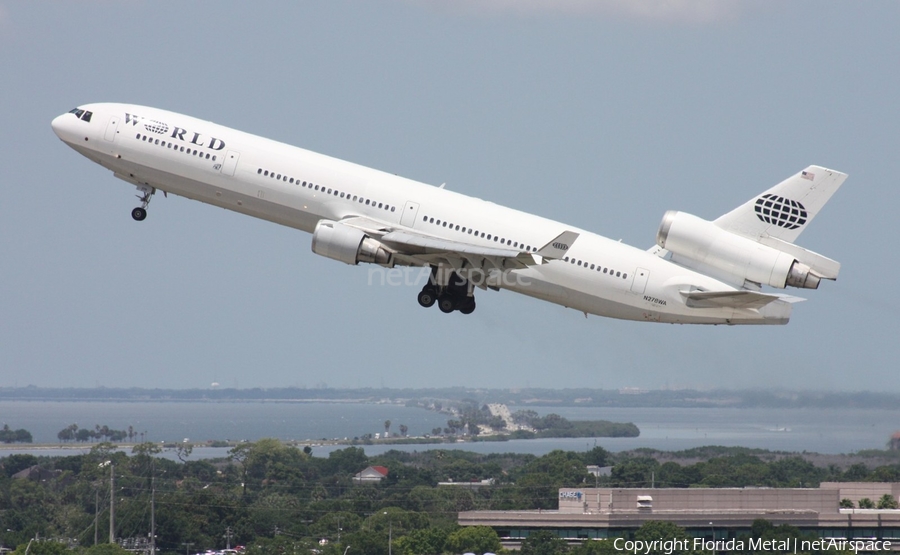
{"x":702,"y":241}
{"x":348,"y":244}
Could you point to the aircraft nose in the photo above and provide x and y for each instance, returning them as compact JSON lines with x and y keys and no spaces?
{"x":59,"y":126}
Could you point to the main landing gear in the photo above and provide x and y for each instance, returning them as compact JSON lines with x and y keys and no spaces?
{"x":454,"y":295}
{"x":140,"y":213}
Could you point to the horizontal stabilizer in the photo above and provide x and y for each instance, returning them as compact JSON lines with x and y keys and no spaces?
{"x":822,"y":266}
{"x":728,"y":299}
{"x":557,"y":248}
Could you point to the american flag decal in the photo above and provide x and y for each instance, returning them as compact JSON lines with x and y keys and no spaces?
{"x":808,"y":175}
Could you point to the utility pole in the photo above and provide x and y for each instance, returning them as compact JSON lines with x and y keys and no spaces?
{"x":390,"y":533}
{"x":228,"y":535}
{"x":96,"y":511}
{"x":152,"y":511}
{"x":112,"y":503}
{"x":187,"y":546}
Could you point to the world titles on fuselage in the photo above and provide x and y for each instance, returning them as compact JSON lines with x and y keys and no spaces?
{"x":178,"y":133}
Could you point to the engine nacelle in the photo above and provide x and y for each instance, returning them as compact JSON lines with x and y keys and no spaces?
{"x":705,"y":242}
{"x":348,"y":244}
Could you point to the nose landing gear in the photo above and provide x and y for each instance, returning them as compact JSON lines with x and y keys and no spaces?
{"x":140,"y":213}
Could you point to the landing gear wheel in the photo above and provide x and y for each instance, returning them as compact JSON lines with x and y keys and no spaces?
{"x":446,"y":305}
{"x":146,"y":192}
{"x":427,"y":298}
{"x":139,"y":214}
{"x":467,"y":306}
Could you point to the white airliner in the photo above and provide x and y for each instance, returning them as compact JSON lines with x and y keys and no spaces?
{"x":699,"y":272}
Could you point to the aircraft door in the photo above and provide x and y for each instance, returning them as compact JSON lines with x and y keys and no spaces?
{"x":640,"y":281}
{"x":229,"y":165}
{"x":410,"y":211}
{"x":111,"y":129}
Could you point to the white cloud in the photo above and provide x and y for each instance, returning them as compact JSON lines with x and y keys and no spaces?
{"x":689,"y":11}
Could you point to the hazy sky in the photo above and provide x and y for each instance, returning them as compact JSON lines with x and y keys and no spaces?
{"x":602,"y":114}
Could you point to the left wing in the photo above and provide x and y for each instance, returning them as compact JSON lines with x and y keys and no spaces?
{"x":419,"y":249}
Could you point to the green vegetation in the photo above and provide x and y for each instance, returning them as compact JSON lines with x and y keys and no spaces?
{"x":479,"y":424}
{"x":8,"y":435}
{"x":277,"y":498}
{"x":554,"y":425}
{"x":98,"y":433}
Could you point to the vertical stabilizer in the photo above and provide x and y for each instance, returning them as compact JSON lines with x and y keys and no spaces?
{"x":785,"y":210}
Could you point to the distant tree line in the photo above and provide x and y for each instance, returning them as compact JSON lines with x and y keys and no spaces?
{"x":472,"y":420}
{"x":8,"y":435}
{"x":528,"y":396}
{"x":97,"y":433}
{"x":554,"y":425}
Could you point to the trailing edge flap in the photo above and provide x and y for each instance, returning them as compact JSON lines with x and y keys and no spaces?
{"x":558,"y":247}
{"x":434,"y":249}
{"x":732,"y":299}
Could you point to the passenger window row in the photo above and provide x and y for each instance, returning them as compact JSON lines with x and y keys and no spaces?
{"x":597,"y":267}
{"x":518,"y":245}
{"x":490,"y":237}
{"x":175,"y":147}
{"x":327,"y":191}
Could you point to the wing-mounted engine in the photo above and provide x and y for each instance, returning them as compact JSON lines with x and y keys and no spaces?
{"x":348,"y":244}
{"x":776,"y":263}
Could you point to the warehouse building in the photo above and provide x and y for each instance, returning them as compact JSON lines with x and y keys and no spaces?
{"x":713,"y":513}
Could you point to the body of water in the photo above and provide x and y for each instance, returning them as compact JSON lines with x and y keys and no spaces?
{"x":839,"y":430}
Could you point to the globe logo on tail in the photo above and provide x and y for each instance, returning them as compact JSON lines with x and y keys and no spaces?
{"x":780,"y":211}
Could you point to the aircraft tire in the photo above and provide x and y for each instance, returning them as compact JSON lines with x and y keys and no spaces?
{"x":139,"y":214}
{"x":427,"y":298}
{"x":467,"y":306}
{"x":446,"y":305}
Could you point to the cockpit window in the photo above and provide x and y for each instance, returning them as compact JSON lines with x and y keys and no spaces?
{"x":81,"y":114}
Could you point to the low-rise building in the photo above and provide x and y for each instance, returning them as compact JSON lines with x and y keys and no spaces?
{"x":470,"y":485}
{"x":854,"y":491}
{"x":370,"y":475}
{"x":713,"y":513}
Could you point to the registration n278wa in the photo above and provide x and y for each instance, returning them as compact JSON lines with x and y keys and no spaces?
{"x":730,"y":270}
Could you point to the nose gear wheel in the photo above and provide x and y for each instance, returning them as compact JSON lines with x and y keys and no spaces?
{"x":146,"y":192}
